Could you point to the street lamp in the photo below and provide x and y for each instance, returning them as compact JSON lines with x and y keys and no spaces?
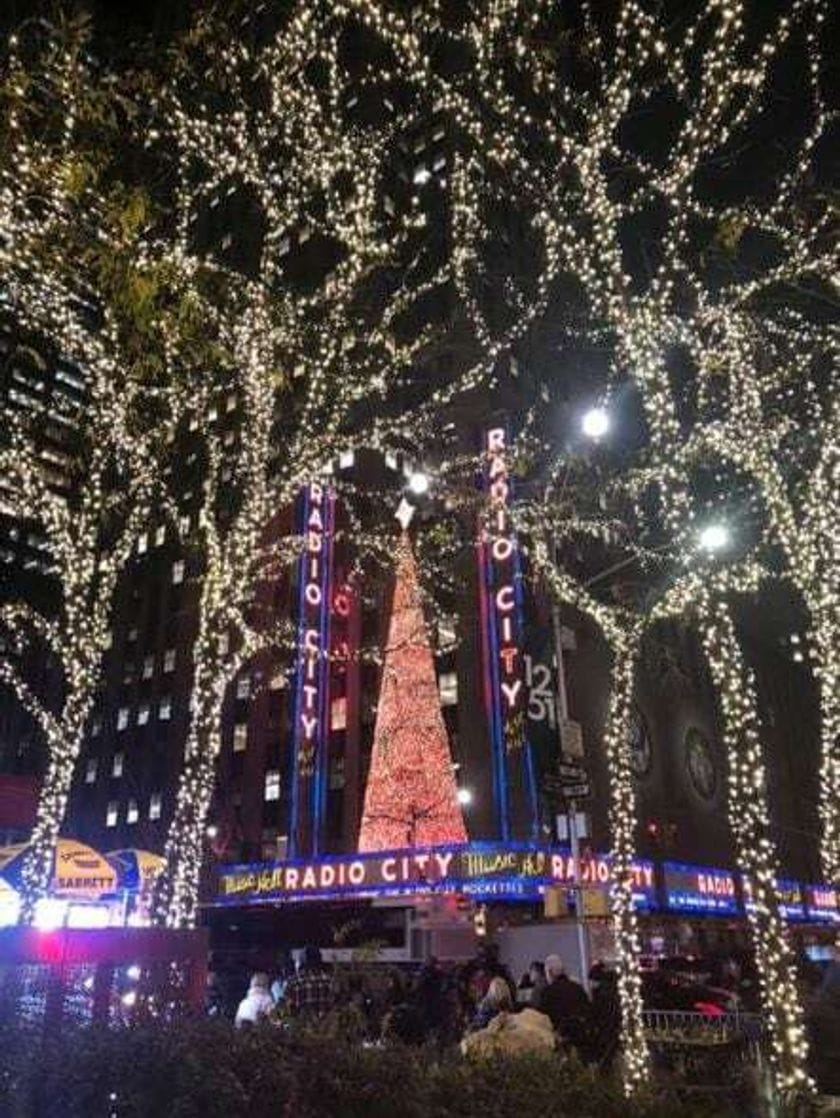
{"x":418,"y":483}
{"x":595,"y":423}
{"x":714,"y":537}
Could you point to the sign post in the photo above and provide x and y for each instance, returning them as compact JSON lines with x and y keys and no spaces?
{"x":573,"y":787}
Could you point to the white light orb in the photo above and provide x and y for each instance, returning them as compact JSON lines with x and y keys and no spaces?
{"x":418,"y":483}
{"x":465,"y":796}
{"x":714,"y":537}
{"x":595,"y":423}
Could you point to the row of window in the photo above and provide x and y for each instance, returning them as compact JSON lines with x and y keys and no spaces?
{"x":132,"y":810}
{"x":143,"y":714}
{"x":272,"y":781}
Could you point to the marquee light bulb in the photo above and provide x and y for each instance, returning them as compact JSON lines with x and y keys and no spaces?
{"x":595,"y":423}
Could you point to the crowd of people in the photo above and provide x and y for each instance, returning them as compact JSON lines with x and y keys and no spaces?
{"x":478,"y":1004}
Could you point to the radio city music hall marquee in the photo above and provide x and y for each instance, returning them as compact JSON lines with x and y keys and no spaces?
{"x":455,"y":869}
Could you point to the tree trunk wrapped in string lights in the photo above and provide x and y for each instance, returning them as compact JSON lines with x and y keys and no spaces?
{"x":703,"y":598}
{"x":622,"y":632}
{"x":623,"y":822}
{"x":755,"y":849}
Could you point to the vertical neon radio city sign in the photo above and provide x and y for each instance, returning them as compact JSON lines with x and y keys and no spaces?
{"x":500,"y":595}
{"x":310,"y":735}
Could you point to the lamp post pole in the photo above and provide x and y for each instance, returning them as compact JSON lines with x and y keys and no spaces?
{"x":574,"y":843}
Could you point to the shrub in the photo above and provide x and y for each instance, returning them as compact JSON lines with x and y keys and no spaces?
{"x":204,"y":1069}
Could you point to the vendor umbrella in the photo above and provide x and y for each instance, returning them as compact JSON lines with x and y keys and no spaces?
{"x":136,"y":869}
{"x":78,"y":870}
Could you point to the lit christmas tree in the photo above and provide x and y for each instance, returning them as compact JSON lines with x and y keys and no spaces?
{"x":411,"y":797}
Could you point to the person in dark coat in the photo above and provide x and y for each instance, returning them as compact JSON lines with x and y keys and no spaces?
{"x":565,"y":1002}
{"x":823,"y":1023}
{"x":605,"y":1030}
{"x":431,"y":998}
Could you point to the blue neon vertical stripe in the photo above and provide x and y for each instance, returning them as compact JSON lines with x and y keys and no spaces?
{"x":499,"y":744}
{"x":528,"y":752}
{"x":319,"y":791}
{"x":484,"y":604}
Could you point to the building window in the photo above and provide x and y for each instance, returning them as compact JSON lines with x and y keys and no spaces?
{"x":117,"y":766}
{"x":132,"y":635}
{"x":112,"y":813}
{"x":155,"y":802}
{"x":169,"y":660}
{"x":160,"y":535}
{"x":272,"y":785}
{"x":96,"y":727}
{"x":148,"y":667}
{"x":142,"y":543}
{"x":338,"y":713}
{"x":243,"y":687}
{"x":185,"y":524}
{"x":165,"y":711}
{"x":122,"y":718}
{"x":132,"y":812}
{"x":90,"y":770}
{"x":143,"y":714}
{"x":224,"y":644}
{"x":177,"y":572}
{"x":231,"y":402}
{"x":240,"y":737}
{"x":448,"y":687}
{"x":337,"y":774}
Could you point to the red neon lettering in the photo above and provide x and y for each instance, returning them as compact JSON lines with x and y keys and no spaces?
{"x":502,"y":548}
{"x":497,"y":466}
{"x":309,"y":722}
{"x":504,"y":599}
{"x":508,"y":656}
{"x":496,"y":439}
{"x":499,"y":491}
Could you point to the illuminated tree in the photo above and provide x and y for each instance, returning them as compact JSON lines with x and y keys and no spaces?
{"x":326,"y":271}
{"x":88,"y":500}
{"x":411,"y":795}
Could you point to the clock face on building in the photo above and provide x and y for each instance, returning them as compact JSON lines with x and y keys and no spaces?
{"x":700,"y":764}
{"x":641,"y":749}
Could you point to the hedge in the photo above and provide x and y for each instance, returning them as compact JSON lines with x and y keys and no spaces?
{"x":205,"y":1069}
